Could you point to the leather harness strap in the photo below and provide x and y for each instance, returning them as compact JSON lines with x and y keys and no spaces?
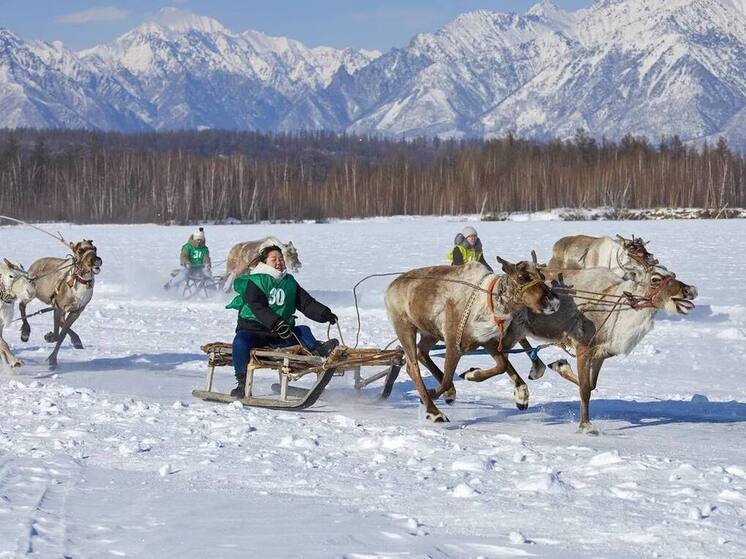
{"x":499,"y":322}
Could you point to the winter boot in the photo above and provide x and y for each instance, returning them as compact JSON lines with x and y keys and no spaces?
{"x":325,"y":348}
{"x":240,"y":389}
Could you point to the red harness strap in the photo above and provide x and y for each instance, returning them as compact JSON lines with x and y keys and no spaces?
{"x":646,"y":302}
{"x":499,"y":322}
{"x":82,"y":281}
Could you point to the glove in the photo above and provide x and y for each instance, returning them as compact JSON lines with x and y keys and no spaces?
{"x":331,"y":318}
{"x":282,"y":329}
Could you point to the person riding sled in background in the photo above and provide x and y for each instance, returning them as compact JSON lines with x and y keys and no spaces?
{"x":194,"y":259}
{"x":266,"y":302}
{"x":468,"y":248}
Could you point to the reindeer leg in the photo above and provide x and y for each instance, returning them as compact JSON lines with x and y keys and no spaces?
{"x":585,"y":390}
{"x":71,"y":318}
{"x":520,"y":390}
{"x":25,"y":326}
{"x":75,"y":339}
{"x":228,"y":282}
{"x":480,"y":375}
{"x":58,"y":319}
{"x":5,"y":352}
{"x":537,"y":365}
{"x":596,"y":364}
{"x":407,"y":335}
{"x":562,"y":367}
{"x":453,"y":355}
{"x":424,"y":346}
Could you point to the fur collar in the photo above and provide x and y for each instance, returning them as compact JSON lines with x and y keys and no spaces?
{"x":263,"y":268}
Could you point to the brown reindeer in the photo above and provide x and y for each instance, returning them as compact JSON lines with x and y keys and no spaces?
{"x":67,"y":285}
{"x":241,"y":258}
{"x":599,"y":330}
{"x":466,"y":307}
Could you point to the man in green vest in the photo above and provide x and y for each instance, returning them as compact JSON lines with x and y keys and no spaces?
{"x":467,"y":248}
{"x":267,"y":300}
{"x":194,"y":259}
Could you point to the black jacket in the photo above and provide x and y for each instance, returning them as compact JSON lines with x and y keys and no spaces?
{"x":267,"y":320}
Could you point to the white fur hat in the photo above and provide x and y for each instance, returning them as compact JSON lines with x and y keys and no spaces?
{"x":199,"y":234}
{"x":469,"y":231}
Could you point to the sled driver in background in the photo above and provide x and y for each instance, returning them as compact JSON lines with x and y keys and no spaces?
{"x":194,"y":259}
{"x":267,"y":300}
{"x":467,"y":248}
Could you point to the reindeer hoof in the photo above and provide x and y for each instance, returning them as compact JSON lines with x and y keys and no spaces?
{"x":78,"y":345}
{"x":537,"y":369}
{"x":17,"y":363}
{"x":562,"y":367}
{"x":50,"y":337}
{"x":25,"y":333}
{"x":52,"y":363}
{"x":448,"y":395}
{"x":520,"y":394}
{"x":439,"y":417}
{"x":469,"y":374}
{"x":558,"y":365}
{"x":588,"y":429}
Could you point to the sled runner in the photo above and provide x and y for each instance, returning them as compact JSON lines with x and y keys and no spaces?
{"x":292,"y":365}
{"x":196,"y":285}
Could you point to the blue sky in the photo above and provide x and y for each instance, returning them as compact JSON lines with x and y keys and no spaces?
{"x":338,"y":23}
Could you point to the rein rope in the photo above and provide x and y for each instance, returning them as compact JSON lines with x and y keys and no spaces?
{"x":58,"y":236}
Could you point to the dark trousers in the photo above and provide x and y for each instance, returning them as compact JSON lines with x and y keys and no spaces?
{"x":246,"y":340}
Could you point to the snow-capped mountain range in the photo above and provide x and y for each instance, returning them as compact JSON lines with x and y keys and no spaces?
{"x":650,"y":67}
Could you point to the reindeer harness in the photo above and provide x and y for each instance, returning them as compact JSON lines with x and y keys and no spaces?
{"x":73,"y":276}
{"x":6,"y":293}
{"x":501,"y":321}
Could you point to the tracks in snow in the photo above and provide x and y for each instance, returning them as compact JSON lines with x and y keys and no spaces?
{"x":33,"y":502}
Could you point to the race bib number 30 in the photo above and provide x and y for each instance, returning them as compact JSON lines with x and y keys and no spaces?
{"x":276,"y":297}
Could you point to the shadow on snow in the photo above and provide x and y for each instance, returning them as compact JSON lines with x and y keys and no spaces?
{"x":637,"y":414}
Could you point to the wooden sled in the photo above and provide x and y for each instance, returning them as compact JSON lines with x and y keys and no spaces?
{"x":291,"y":365}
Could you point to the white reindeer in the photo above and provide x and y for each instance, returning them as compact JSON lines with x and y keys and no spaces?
{"x":14,"y":284}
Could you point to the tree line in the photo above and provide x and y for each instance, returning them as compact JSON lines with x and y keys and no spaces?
{"x":179,"y":177}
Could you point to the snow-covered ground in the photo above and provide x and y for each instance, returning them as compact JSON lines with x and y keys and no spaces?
{"x":111,"y":457}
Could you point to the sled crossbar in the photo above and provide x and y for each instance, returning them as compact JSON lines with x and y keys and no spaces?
{"x":292,"y":364}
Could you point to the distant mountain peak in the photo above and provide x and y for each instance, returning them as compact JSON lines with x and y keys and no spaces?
{"x":544,"y":7}
{"x":649,"y":67}
{"x":181,"y":21}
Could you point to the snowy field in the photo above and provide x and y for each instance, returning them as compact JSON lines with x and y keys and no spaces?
{"x":112,"y":457}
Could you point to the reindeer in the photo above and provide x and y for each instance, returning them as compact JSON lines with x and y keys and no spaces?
{"x":242,"y":255}
{"x":621,"y":256}
{"x":466,"y":307}
{"x":14,"y":284}
{"x":66,"y":285}
{"x":602,"y":329}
